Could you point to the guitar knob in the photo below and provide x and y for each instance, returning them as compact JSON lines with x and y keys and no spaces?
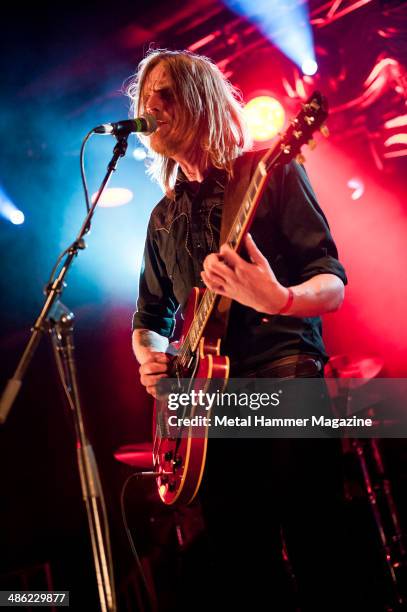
{"x":177,"y":461}
{"x":168,"y":456}
{"x":285,"y":148}
{"x":324,"y":131}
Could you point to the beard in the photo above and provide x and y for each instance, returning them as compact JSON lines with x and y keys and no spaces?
{"x":164,"y":146}
{"x":169,"y":144}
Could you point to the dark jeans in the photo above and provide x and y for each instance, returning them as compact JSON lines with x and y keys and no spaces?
{"x":254,"y":493}
{"x":263,"y":496}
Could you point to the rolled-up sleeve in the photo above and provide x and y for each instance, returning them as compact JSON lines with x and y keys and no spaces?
{"x":156,"y":304}
{"x":305,"y":228}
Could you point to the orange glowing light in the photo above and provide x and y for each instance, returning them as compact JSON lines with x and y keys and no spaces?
{"x":265,"y":117}
{"x":115,"y":196}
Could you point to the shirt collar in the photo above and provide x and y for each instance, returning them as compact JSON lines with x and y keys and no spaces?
{"x":216,"y":176}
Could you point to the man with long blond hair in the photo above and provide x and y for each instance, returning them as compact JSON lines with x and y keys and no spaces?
{"x":288,"y":278}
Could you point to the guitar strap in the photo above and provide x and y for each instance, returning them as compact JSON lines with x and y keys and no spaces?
{"x":236,"y":187}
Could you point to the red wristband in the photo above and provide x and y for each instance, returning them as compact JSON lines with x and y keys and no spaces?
{"x":288,"y":303}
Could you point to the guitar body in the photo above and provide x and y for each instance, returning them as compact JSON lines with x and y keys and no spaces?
{"x":180,"y":461}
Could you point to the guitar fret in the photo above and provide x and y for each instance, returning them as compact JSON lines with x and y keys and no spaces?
{"x":196,"y":328}
{"x":257,"y":179}
{"x":241,"y":219}
{"x":252,"y":189}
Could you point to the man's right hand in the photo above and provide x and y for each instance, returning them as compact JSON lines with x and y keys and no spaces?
{"x":152,"y":370}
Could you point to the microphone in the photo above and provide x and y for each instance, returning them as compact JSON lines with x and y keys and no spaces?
{"x":144,"y":125}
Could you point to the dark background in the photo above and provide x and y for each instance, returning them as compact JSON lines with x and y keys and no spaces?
{"x":63,"y":67}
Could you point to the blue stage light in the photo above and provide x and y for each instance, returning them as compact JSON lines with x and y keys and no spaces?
{"x":284,"y":22}
{"x":309,"y":66}
{"x":17,"y":217}
{"x":139,"y":153}
{"x":9,"y":211}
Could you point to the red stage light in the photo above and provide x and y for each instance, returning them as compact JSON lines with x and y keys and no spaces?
{"x":265,"y":117}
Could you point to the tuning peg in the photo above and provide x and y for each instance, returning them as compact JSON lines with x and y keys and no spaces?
{"x":324,"y":131}
{"x":300,"y":158}
{"x":312,"y":144}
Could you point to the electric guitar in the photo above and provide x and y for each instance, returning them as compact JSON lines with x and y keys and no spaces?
{"x":179,"y":456}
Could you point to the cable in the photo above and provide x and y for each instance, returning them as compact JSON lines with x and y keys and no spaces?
{"x":77,"y":244}
{"x":150,"y":595}
{"x":83,"y":174}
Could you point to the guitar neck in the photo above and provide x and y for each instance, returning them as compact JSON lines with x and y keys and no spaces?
{"x":247,"y":210}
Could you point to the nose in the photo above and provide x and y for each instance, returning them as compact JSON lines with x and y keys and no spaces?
{"x":153,"y":104}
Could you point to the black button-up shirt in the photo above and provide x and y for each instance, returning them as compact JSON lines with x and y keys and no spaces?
{"x":290,"y":229}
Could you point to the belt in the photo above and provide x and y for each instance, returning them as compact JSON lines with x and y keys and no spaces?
{"x":292,"y":366}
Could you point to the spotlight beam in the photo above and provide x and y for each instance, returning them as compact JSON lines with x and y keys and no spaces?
{"x":285,"y":23}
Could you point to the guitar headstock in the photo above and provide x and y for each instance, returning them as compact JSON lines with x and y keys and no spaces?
{"x":310,"y":118}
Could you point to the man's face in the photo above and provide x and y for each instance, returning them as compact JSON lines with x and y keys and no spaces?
{"x":158,"y":100}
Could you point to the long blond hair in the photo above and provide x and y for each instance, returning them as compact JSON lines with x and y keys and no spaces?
{"x":212,"y":118}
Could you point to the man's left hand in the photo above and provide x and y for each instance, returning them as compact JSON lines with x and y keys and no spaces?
{"x":251,"y":284}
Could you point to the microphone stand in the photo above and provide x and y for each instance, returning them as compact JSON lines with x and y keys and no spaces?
{"x":57,"y":320}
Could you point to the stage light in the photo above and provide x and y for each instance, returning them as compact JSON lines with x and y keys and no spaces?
{"x":396,"y":122}
{"x":9,"y":211}
{"x":357,"y":186}
{"x":17,"y":217}
{"x":309,"y":66}
{"x":286,"y":24}
{"x":204,"y":41}
{"x":265,"y":117}
{"x":396,"y":139}
{"x":115,"y":196}
{"x":139,"y":153}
